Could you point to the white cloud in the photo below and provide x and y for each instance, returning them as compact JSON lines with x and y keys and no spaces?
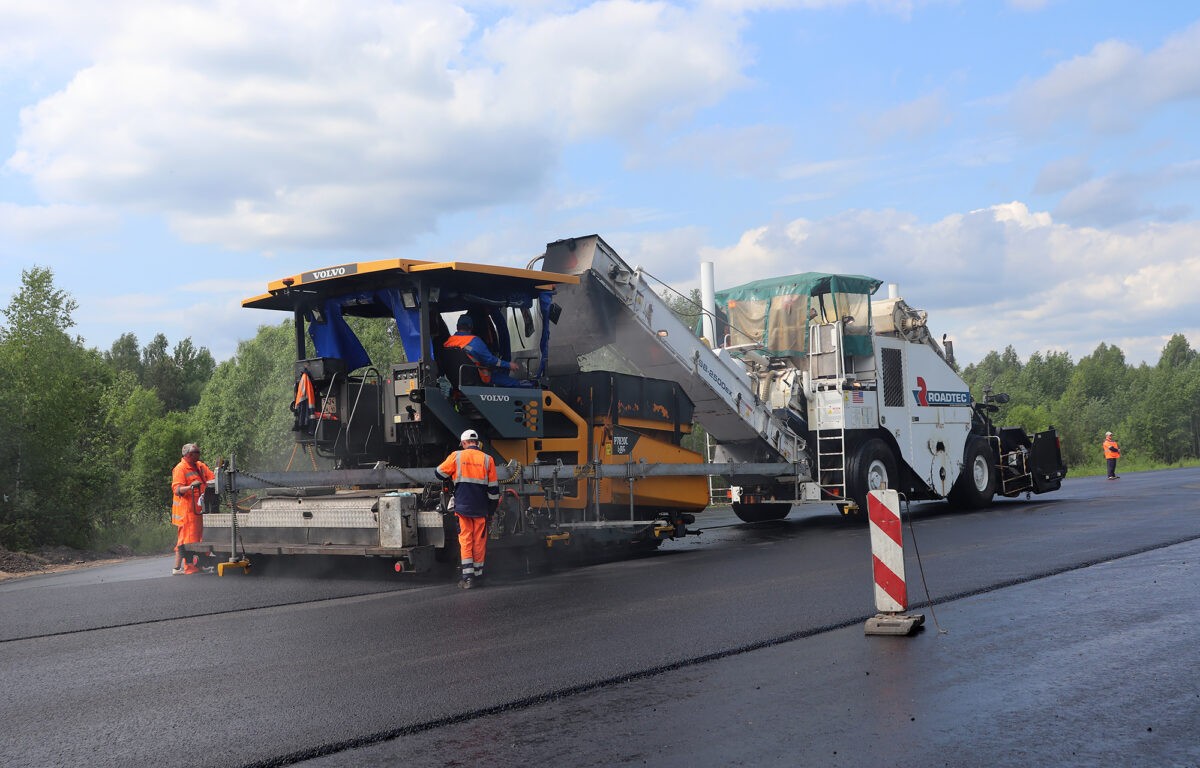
{"x":746,"y":151}
{"x":54,"y":35}
{"x":1062,"y":174}
{"x":823,"y":168}
{"x":1028,"y":5}
{"x":901,"y":8}
{"x":1114,"y":85}
{"x":999,"y":276}
{"x":914,"y":119}
{"x":1120,"y":198}
{"x":274,"y":126}
{"x":617,"y":66}
{"x":30,"y":223}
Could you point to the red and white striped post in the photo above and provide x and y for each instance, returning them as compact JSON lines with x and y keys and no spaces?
{"x":887,"y":558}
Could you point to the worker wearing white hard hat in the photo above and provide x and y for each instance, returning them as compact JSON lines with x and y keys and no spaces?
{"x":476,"y":494}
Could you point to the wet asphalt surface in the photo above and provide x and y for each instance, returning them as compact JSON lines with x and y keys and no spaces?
{"x":1060,"y":631}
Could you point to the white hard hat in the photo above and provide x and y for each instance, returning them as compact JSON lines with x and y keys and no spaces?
{"x":470,"y":434}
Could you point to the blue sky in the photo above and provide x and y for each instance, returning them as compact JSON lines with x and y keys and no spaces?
{"x":1026,"y":170}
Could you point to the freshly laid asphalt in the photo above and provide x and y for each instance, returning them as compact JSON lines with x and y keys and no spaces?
{"x":1062,"y":632}
{"x":1098,"y":666}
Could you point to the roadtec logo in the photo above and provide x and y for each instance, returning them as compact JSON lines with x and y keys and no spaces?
{"x":926,"y":396}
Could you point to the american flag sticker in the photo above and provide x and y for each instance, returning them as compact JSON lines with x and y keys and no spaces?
{"x":856,"y":397}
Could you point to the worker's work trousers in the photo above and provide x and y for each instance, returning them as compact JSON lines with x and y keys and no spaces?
{"x":191,"y":532}
{"x":472,"y":544}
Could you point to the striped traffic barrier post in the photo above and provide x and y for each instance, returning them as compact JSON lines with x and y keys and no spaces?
{"x":887,"y":558}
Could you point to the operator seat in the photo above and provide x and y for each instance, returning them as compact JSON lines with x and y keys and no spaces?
{"x":459,"y":368}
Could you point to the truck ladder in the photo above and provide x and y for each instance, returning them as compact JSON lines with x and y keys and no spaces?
{"x":827,"y":372}
{"x":831,"y":463}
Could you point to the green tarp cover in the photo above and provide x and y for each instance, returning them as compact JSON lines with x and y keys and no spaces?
{"x":803,"y":284}
{"x":776,"y":312}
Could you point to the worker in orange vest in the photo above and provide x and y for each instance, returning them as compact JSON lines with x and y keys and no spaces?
{"x":492,"y":370}
{"x":1112,"y":452}
{"x":188,"y":481}
{"x":476,"y":495}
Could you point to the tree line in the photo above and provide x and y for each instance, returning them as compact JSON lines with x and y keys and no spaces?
{"x":1154,"y":410}
{"x":89,"y":437}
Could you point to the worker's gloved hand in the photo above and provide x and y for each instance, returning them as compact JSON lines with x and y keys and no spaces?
{"x":195,"y":483}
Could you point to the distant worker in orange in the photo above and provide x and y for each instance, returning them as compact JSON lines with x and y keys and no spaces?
{"x":188,"y":481}
{"x":492,"y":370}
{"x":1112,"y":452}
{"x":476,"y":495}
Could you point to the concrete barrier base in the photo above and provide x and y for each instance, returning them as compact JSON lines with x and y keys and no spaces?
{"x":894,"y":624}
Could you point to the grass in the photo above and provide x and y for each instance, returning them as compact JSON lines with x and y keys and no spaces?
{"x":1126,"y":465}
{"x":143,"y":539}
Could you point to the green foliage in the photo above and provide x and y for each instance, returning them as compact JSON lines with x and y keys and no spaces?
{"x":1155,"y":411}
{"x":90,"y":438}
{"x":380,"y":340}
{"x":129,"y":410}
{"x":1043,"y":380}
{"x":147,"y":483}
{"x":124,"y":357}
{"x":244,"y":411}
{"x":151,"y":538}
{"x":1029,"y":418}
{"x":1159,"y":422}
{"x":1178,"y":354}
{"x":687,"y":308}
{"x":178,"y":376}
{"x":1081,"y":424}
{"x":49,"y":402}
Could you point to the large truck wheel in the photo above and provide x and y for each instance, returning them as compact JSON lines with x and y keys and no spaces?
{"x":761,"y":512}
{"x":873,"y":469}
{"x":976,"y":486}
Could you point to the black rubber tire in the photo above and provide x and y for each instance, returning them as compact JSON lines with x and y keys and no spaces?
{"x":976,"y":486}
{"x":761,"y":512}
{"x":873,"y":468}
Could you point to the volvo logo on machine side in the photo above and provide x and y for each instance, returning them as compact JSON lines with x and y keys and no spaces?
{"x":926,"y":396}
{"x":324,"y":274}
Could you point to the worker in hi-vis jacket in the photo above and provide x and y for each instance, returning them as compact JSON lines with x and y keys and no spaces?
{"x":188,"y":481}
{"x":476,"y":495}
{"x":1112,"y":452}
{"x":492,"y":370}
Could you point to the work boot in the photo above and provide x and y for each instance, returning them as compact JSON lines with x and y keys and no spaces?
{"x":177,"y":571}
{"x":467,"y":582}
